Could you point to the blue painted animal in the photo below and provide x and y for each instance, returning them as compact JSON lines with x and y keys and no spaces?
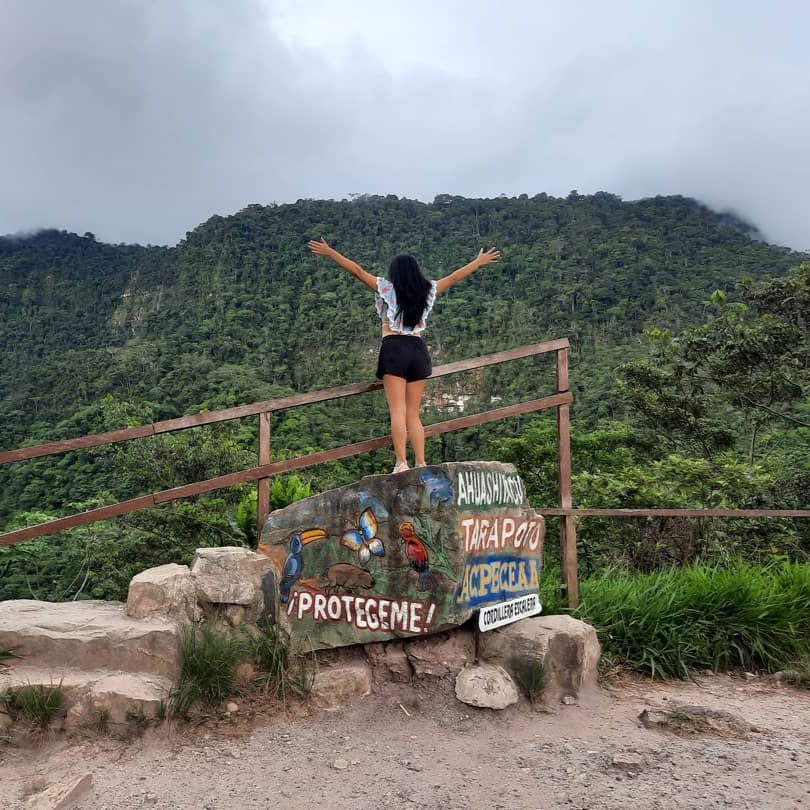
{"x":438,"y":484}
{"x":294,"y":563}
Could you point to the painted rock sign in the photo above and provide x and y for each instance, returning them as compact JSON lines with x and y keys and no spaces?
{"x":402,"y":555}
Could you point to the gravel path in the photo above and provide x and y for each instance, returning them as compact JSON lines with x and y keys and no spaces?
{"x":420,"y":748}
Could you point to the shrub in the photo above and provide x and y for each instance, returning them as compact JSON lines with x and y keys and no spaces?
{"x":38,"y":703}
{"x":671,"y":623}
{"x":281,"y":669}
{"x":209,"y":660}
{"x":530,"y":673}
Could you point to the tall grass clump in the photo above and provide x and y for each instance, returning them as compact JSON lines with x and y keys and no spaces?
{"x":211,"y":656}
{"x":38,"y":703}
{"x":673,"y":622}
{"x":209,"y":660}
{"x":552,"y":597}
{"x":281,"y":669}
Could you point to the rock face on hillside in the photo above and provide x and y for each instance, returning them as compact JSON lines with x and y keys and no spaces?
{"x":395,"y":556}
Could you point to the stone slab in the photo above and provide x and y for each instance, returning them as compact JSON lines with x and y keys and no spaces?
{"x":62,"y":796}
{"x":92,"y":695}
{"x":89,"y":635}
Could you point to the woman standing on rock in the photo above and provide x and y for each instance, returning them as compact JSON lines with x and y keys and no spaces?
{"x":404,"y":302}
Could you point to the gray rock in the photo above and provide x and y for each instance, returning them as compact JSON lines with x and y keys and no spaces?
{"x":441,"y":655}
{"x":569,"y":650}
{"x":89,"y":635}
{"x":628,"y":761}
{"x":167,"y":590}
{"x":486,"y":685}
{"x":335,"y":686}
{"x":59,"y":797}
{"x":696,"y":720}
{"x":230,"y":576}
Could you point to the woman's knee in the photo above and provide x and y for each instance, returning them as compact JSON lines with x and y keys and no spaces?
{"x":413,"y":420}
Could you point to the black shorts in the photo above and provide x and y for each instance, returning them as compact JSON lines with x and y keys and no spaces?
{"x":404,"y":356}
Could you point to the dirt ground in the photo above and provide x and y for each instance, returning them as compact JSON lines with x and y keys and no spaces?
{"x":417,"y":747}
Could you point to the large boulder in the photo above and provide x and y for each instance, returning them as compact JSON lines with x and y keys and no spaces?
{"x":167,"y":590}
{"x":397,"y":556}
{"x":568,"y":649}
{"x":231,"y":576}
{"x":88,"y":635}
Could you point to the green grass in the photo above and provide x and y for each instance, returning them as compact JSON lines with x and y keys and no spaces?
{"x":671,"y":623}
{"x":552,"y":597}
{"x":281,"y":670}
{"x":530,"y":673}
{"x":209,"y":660}
{"x":37,"y":703}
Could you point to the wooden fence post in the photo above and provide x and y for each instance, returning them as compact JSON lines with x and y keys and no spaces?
{"x":568,"y":530}
{"x":263,"y":484}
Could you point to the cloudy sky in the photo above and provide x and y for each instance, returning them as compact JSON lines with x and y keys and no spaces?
{"x":139,"y":119}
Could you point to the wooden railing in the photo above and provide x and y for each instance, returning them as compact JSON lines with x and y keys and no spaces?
{"x":265,"y":470}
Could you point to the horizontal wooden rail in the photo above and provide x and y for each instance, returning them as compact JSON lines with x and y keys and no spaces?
{"x":267,"y":406}
{"x":277,"y":467}
{"x":724,"y":513}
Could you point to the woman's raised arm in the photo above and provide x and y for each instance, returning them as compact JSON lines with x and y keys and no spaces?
{"x":483,"y":257}
{"x":322,"y":248}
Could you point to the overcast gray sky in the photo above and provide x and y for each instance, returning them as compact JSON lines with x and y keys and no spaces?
{"x":139,"y":119}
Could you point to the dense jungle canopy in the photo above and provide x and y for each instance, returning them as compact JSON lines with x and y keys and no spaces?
{"x":690,"y":368}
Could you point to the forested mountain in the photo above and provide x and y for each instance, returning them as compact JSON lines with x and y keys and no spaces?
{"x":690,"y":368}
{"x":95,"y":335}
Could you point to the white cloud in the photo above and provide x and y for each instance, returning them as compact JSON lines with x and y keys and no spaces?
{"x":138,"y":120}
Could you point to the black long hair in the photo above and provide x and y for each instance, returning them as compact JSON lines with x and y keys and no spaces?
{"x":411,"y":287}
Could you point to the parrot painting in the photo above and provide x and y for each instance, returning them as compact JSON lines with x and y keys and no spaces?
{"x":417,"y":555}
{"x":294,"y":563}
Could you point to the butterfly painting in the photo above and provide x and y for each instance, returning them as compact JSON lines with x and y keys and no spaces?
{"x":364,"y":539}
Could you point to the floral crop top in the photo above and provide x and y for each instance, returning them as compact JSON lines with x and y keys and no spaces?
{"x":386,"y":303}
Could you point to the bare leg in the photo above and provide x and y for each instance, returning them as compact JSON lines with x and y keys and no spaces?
{"x":395,"y":396}
{"x":413,"y":406}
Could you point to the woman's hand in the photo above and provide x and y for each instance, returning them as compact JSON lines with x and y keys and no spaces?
{"x":483,"y":257}
{"x":488,"y":256}
{"x":322,"y":248}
